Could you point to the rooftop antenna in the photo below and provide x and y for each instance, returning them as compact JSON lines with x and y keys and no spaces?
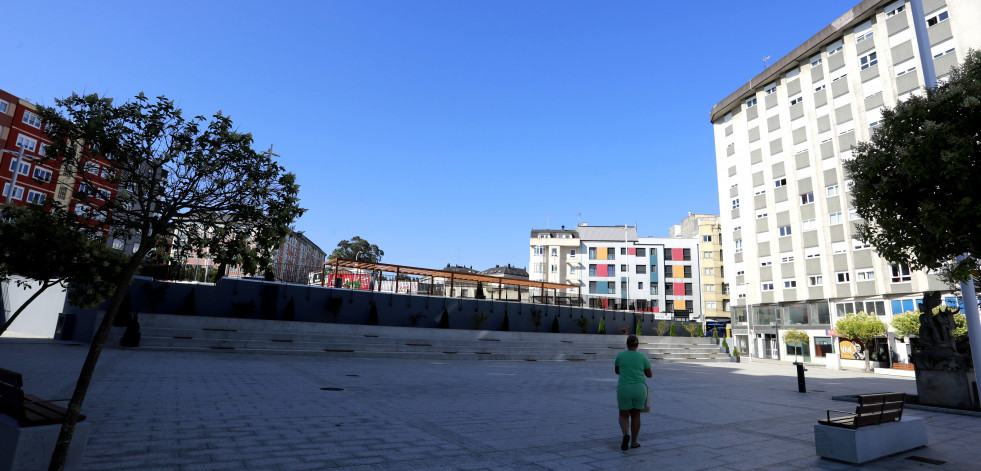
{"x":578,"y":219}
{"x":548,"y":220}
{"x":765,"y":60}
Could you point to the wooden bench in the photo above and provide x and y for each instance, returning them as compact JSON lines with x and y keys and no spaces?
{"x":872,"y":409}
{"x":29,"y":428}
{"x":27,"y":410}
{"x":877,"y":428}
{"x":903,"y":366}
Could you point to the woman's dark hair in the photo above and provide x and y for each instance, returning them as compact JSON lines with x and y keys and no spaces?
{"x":632,"y":340}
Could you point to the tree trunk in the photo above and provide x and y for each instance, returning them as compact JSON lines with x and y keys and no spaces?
{"x":45,"y":285}
{"x":868,"y":360}
{"x":60,"y":455}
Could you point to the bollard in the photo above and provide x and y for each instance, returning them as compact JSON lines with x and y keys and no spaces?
{"x":801,"y":387}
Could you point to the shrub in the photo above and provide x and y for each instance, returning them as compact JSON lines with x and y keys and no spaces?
{"x":333,"y":306}
{"x":662,"y":328}
{"x":725,"y":344}
{"x":691,"y":328}
{"x":699,"y":332}
{"x":478,"y":320}
{"x":555,"y":325}
{"x":639,"y":330}
{"x":674,"y":331}
{"x":715,"y":334}
{"x":602,"y":326}
{"x":583,"y":324}
{"x":372,"y":313}
{"x":536,"y":317}
{"x":735,"y":352}
{"x":414,"y":319}
{"x":444,"y":320}
{"x":506,"y":325}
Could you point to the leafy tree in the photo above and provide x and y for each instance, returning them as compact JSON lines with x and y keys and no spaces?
{"x":906,"y":324}
{"x":795,"y":336}
{"x":692,"y":328}
{"x":863,"y":327}
{"x":52,"y":247}
{"x":662,"y":328}
{"x":176,"y":177}
{"x":348,"y":250}
{"x":915,"y":178}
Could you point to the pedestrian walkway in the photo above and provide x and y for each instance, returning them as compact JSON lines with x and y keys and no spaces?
{"x":156,"y":410}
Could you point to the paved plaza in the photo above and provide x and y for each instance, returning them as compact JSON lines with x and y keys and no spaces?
{"x":154,"y":410}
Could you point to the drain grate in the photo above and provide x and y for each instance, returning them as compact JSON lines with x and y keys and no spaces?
{"x":925,"y":460}
{"x":331,"y":389}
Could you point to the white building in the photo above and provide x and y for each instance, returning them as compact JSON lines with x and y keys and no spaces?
{"x":791,"y":257}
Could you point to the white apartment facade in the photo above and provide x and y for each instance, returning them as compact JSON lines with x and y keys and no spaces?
{"x":707,"y":231}
{"x":789,"y":247}
{"x":616,"y":269}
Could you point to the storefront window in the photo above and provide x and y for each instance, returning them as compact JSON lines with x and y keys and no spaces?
{"x":821,"y":313}
{"x":796,"y":314}
{"x":765,"y":315}
{"x":739,"y":315}
{"x":822,"y":346}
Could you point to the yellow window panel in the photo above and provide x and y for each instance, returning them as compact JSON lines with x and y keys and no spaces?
{"x":679,"y":305}
{"x":678,"y":271}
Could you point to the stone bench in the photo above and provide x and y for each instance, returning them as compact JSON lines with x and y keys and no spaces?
{"x":876,"y":429}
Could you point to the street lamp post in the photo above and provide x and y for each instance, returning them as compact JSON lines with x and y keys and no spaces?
{"x":13,"y":179}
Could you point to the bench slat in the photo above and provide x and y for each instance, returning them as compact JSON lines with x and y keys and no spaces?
{"x":27,"y":410}
{"x":873,"y":409}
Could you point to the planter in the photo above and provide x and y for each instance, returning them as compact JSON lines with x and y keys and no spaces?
{"x":734,"y":359}
{"x":723,"y":349}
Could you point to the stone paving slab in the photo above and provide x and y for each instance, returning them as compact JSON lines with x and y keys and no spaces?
{"x":216,"y":411}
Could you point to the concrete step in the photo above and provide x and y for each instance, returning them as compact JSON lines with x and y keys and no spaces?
{"x":193,"y":333}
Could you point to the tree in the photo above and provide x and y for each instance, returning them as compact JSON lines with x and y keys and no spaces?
{"x":795,"y":336}
{"x":66,"y":252}
{"x":349,"y":249}
{"x":173,"y":176}
{"x":914,"y":180}
{"x":864,"y":328}
{"x":906,"y":324}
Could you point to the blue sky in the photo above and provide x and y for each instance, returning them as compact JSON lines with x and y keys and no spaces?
{"x":442,"y":131}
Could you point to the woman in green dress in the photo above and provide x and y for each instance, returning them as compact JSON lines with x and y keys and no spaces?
{"x":632,"y":366}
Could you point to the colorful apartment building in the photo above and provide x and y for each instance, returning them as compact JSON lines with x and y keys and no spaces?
{"x":705,"y":229}
{"x":616,"y":269}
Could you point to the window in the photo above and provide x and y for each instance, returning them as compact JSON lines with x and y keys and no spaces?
{"x":640,"y":269}
{"x":687,"y":271}
{"x":761,"y":191}
{"x":706,"y":238}
{"x":4,"y":106}
{"x":688,"y":289}
{"x":539,"y":250}
{"x":760,"y":214}
{"x":770,"y":89}
{"x":653,"y":288}
{"x":815,"y":61}
{"x":835,"y":50}
{"x":95,"y":169}
{"x":610,"y":270}
{"x":640,"y":285}
{"x":789,"y":283}
{"x":26,"y":143}
{"x":859,"y":245}
{"x":739,"y":245}
{"x":592,"y":286}
{"x":768,"y":286}
{"x":641,"y":252}
{"x":786,"y":258}
{"x":709,"y":272}
{"x":842,"y":277}
{"x":780,"y":182}
{"x":866,"y":35}
{"x":709,"y":288}
{"x":832,"y":190}
{"x":896,"y":11}
{"x":103,"y":194}
{"x":572,"y":269}
{"x":592,"y":269}
{"x":623,"y":251}
{"x":735,"y":203}
{"x":751,"y":103}
{"x":686,"y":254}
{"x":796,"y":100}
{"x":708,"y":255}
{"x":820,"y":87}
{"x":555,"y":250}
{"x":865,"y":275}
{"x":623,"y":268}
{"x":815,"y":280}
{"x":936,"y":19}
{"x":784,"y":231}
{"x":42,"y":175}
{"x":24,"y":168}
{"x":941,"y":54}
{"x":610,"y":253}
{"x":539,"y":267}
{"x":710,"y":305}
{"x":572,"y":253}
{"x":18,"y":191}
{"x":592,"y":253}
{"x":740,"y":272}
{"x":766,"y":261}
{"x":902,"y":72}
{"x":812,"y":252}
{"x":868,"y":60}
{"x":668,"y":254}
{"x":808,"y":225}
{"x":834,"y":218}
{"x":31,"y":119}
{"x":737,"y":228}
{"x":62,"y":193}
{"x":543,"y":236}
{"x":807,"y":198}
{"x":900,"y":273}
{"x":611,"y":287}
{"x":853,"y":214}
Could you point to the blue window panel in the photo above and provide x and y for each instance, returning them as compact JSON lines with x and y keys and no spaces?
{"x":897,"y":307}
{"x":908,"y":305}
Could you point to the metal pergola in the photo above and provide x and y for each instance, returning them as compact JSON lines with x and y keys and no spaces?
{"x":335,"y":264}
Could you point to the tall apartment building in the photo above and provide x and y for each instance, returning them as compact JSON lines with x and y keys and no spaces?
{"x":616,"y":269}
{"x":707,"y":231}
{"x":788,"y":220}
{"x":296,"y":258}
